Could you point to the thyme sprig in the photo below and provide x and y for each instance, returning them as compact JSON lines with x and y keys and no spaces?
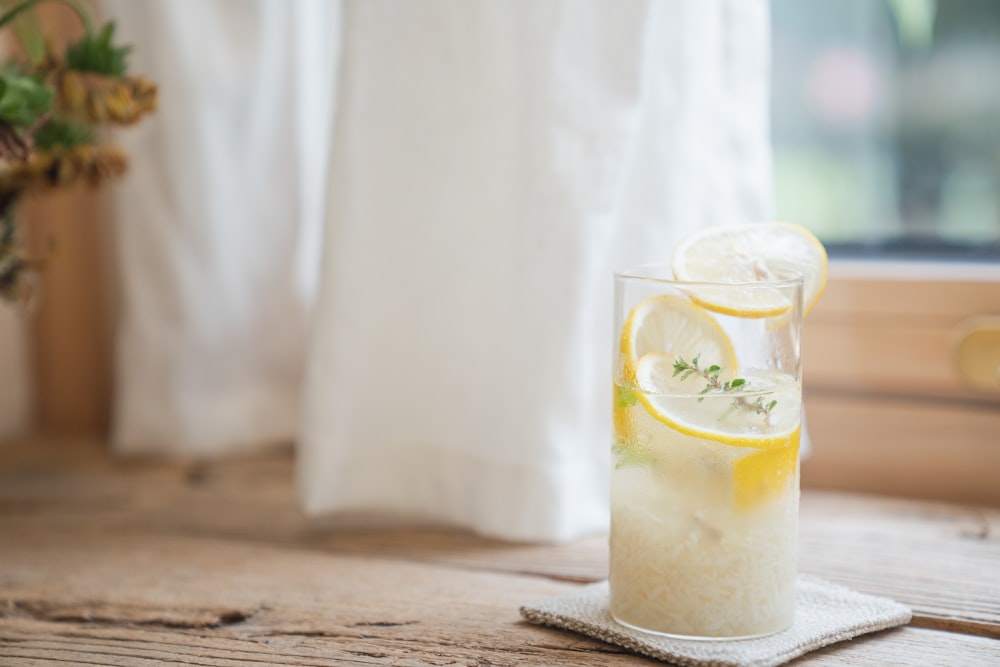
{"x":710,"y":374}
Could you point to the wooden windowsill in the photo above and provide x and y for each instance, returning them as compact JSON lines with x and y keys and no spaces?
{"x":213,"y":564}
{"x":887,"y":409}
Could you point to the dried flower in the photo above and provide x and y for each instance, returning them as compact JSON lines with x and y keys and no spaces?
{"x":50,"y":109}
{"x":63,"y":167}
{"x":98,"y":99}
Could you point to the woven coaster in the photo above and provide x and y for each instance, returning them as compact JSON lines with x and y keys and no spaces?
{"x":825,"y":614}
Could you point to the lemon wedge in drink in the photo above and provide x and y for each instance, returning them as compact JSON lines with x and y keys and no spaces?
{"x":761,"y":475}
{"x":763,"y":252}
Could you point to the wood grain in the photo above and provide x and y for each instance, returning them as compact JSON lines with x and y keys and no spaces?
{"x":72,"y":328}
{"x":288,"y":606}
{"x":942,"y":293}
{"x":941,"y":560}
{"x":33,"y":643}
{"x":894,"y":336}
{"x":72,"y":332}
{"x":887,"y":410}
{"x":909,"y":646}
{"x":891,"y":445}
{"x":299,"y":607}
{"x":110,"y":562}
{"x":884,"y":356}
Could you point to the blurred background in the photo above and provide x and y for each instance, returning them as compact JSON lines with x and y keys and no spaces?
{"x":885,"y":130}
{"x":886,"y":140}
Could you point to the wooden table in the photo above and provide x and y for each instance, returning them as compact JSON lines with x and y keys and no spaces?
{"x":133,"y":563}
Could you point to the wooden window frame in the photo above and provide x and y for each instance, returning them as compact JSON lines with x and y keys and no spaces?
{"x":886,"y":408}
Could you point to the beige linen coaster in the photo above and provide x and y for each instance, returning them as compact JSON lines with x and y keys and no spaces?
{"x":826,"y":614}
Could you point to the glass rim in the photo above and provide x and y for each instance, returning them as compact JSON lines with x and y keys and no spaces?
{"x":636,"y":273}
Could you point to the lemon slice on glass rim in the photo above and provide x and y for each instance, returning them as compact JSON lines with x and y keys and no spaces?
{"x":751,"y":254}
{"x":663,"y":329}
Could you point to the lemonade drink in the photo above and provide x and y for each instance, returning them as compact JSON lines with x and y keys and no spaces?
{"x":704,"y":486}
{"x":707,"y":410}
{"x":702,"y":532}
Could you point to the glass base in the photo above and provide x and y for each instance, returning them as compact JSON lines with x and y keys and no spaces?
{"x":700,"y":638}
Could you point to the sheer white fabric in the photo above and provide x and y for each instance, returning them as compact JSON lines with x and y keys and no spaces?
{"x":493,"y":163}
{"x":219,"y":221}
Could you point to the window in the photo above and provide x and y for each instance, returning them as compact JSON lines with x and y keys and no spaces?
{"x":887,"y":124}
{"x":886,"y":127}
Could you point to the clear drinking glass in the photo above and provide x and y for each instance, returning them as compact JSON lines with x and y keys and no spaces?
{"x":705,"y":478}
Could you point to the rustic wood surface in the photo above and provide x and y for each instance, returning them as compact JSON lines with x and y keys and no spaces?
{"x":937,"y":449}
{"x":135,"y":563}
{"x":896,"y":336}
{"x":882,"y":388}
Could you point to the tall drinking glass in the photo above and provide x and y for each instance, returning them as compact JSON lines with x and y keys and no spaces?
{"x":705,"y":478}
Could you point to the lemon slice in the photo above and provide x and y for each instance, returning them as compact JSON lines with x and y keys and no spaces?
{"x":673,"y":325}
{"x":665,"y":328}
{"x":747,"y":254}
{"x":724,"y":417}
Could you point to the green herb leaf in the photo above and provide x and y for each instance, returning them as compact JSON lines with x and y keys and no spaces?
{"x":711,"y":376}
{"x":632,"y":455}
{"x":624,"y":396}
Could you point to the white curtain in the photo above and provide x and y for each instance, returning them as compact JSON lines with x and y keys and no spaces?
{"x":491,"y":163}
{"x":219,"y":220}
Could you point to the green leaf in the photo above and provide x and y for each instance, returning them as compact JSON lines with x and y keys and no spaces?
{"x":624,"y":396}
{"x":627,"y":454}
{"x":23,"y":100}
{"x":738,"y":382}
{"x":98,"y":54}
{"x":771,"y":405}
{"x":63,"y":134}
